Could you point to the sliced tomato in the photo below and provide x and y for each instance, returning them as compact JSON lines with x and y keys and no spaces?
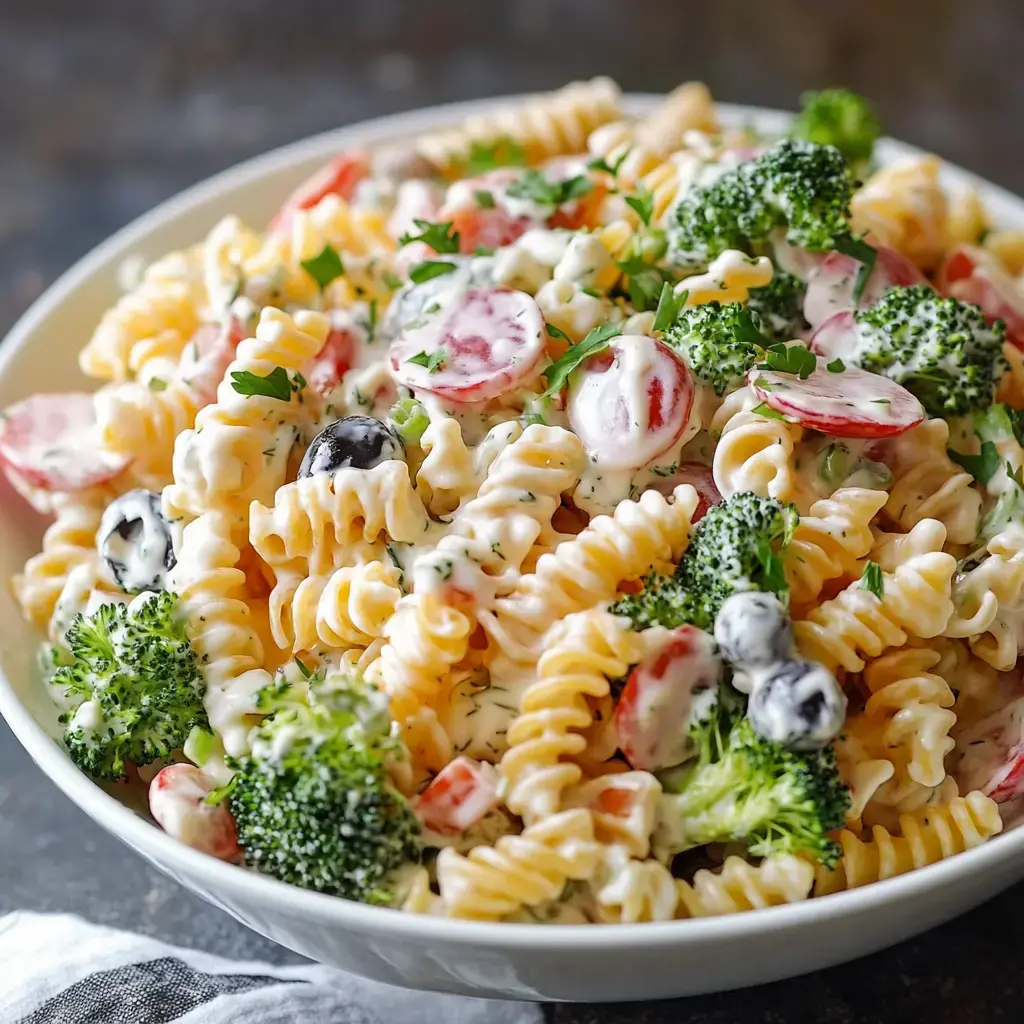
{"x":207,"y":357}
{"x":831,"y":286}
{"x":339,"y":176}
{"x":51,"y":441}
{"x":853,"y":403}
{"x":177,"y":801}
{"x":462,"y":793}
{"x":339,"y":353}
{"x":630,"y":403}
{"x":700,"y":476}
{"x":663,"y":696}
{"x":972,"y":275}
{"x":480,"y":344}
{"x":993,"y":754}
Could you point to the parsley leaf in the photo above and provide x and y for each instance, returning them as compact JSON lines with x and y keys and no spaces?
{"x":324,"y":267}
{"x":773,"y":567}
{"x":794,"y":359}
{"x":642,"y":203}
{"x":157,"y":384}
{"x":836,"y":366}
{"x":871,"y":579}
{"x":597,"y":340}
{"x":439,"y":236}
{"x":433,"y":361}
{"x":1016,"y":475}
{"x":746,"y":331}
{"x":274,"y":385}
{"x":864,"y":254}
{"x":390,"y":280}
{"x":982,"y":466}
{"x":765,"y":410}
{"x":535,"y":187}
{"x":669,"y":306}
{"x":557,"y":332}
{"x":484,"y":198}
{"x":483,"y":156}
{"x":646,"y":281}
{"x":600,"y":163}
{"x":429,"y":269}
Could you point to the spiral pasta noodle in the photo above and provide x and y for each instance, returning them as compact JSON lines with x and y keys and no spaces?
{"x":633,"y":891}
{"x":987,"y":599}
{"x":153,"y":321}
{"x":491,"y":882}
{"x":729,"y":278}
{"x":583,"y":652}
{"x":928,"y":835}
{"x":640,"y":536}
{"x":855,"y":624}
{"x":739,"y":886}
{"x":928,"y":485}
{"x":320,"y":522}
{"x":219,"y":624}
{"x":542,"y":127}
{"x":69,"y":542}
{"x":239,"y":449}
{"x":754,"y":453}
{"x":349,"y":608}
{"x":830,"y":540}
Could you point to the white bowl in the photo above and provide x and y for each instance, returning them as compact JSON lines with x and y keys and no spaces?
{"x":591,"y":963}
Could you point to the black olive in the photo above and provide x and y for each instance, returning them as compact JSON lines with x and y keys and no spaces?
{"x":798,"y":704}
{"x":753,"y":630}
{"x":134,"y":539}
{"x":355,"y":442}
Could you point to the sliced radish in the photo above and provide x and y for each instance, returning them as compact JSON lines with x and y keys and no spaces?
{"x":631,"y":402}
{"x":476,"y":346}
{"x":207,"y":357}
{"x":339,"y":176}
{"x":177,"y":801}
{"x":478,"y":211}
{"x":971,"y":275}
{"x":664,"y":695}
{"x":700,"y":476}
{"x":836,"y":336}
{"x":51,"y":441}
{"x":462,"y":793}
{"x":831,"y":286}
{"x":851,"y":403}
{"x":993,"y":754}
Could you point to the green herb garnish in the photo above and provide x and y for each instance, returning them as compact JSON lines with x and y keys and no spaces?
{"x":324,"y":267}
{"x":597,"y":340}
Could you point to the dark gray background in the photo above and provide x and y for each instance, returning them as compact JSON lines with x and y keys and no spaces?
{"x":108,"y":106}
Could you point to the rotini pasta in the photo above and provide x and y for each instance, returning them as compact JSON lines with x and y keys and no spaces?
{"x":739,"y":886}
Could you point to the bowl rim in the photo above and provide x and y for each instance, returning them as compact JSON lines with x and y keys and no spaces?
{"x":228,"y":879}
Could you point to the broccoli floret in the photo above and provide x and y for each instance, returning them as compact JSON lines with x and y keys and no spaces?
{"x":133,"y":687}
{"x":314,"y":802}
{"x":715,"y":341}
{"x":840,"y":118}
{"x":736,"y":546}
{"x":663,"y":601}
{"x":796,"y":186}
{"x":940,"y":349}
{"x":780,"y":306}
{"x":743,"y":788}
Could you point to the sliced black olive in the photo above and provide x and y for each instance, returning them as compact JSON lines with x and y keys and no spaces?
{"x":798,"y":704}
{"x":134,"y":539}
{"x":753,"y":630}
{"x":355,"y":442}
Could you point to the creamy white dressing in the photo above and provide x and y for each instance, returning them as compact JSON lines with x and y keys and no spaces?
{"x":133,"y":538}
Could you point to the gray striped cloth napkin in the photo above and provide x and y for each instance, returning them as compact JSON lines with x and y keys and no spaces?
{"x":59,"y":969}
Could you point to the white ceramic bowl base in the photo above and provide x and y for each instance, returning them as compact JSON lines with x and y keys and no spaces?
{"x":589,"y":963}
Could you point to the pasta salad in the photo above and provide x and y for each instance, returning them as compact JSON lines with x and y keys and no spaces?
{"x":562,"y":517}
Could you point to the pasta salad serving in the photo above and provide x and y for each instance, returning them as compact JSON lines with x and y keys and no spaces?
{"x":561,"y":517}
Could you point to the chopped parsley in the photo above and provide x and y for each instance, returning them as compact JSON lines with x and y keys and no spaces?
{"x":982,"y":466}
{"x":765,"y":410}
{"x":642,"y":203}
{"x":669,"y":306}
{"x":557,"y":332}
{"x":872,"y":580}
{"x":597,"y":340}
{"x":433,"y":361}
{"x":795,"y":359}
{"x":536,"y":188}
{"x":836,"y":366}
{"x":156,"y":384}
{"x":274,"y":385}
{"x":324,"y":267}
{"x":484,"y":198}
{"x":438,"y":235}
{"x":391,"y":281}
{"x":429,"y":269}
{"x":483,"y":157}
{"x":600,"y":163}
